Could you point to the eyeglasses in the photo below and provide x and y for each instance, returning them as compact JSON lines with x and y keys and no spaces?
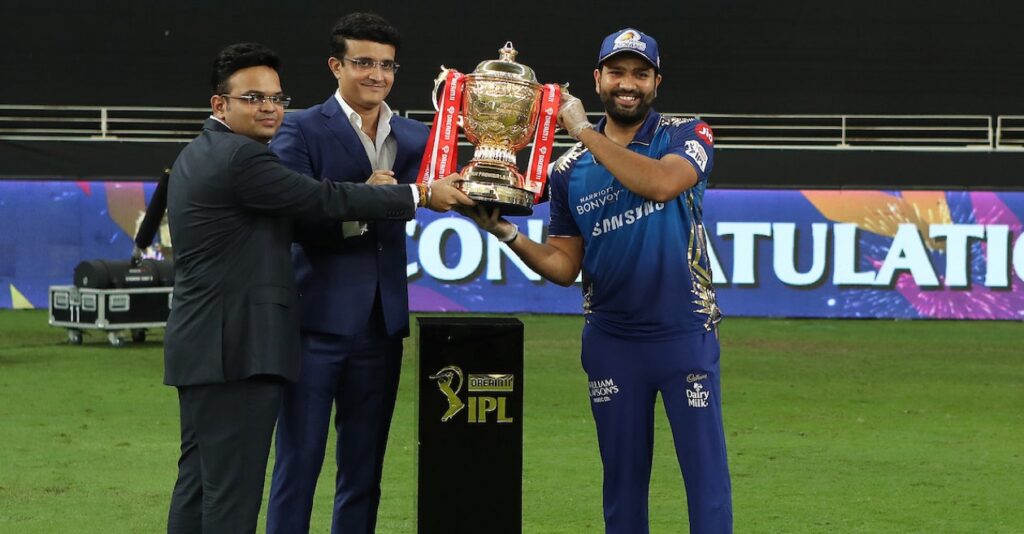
{"x":367,"y":64}
{"x":258,"y":100}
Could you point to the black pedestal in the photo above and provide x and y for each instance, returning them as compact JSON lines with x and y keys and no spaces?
{"x":470,"y":425}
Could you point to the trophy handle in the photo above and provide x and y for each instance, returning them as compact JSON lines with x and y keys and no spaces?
{"x":438,"y":82}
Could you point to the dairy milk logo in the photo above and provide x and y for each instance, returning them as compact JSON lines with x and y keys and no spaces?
{"x":629,"y":39}
{"x":602,"y":390}
{"x":697,"y":397}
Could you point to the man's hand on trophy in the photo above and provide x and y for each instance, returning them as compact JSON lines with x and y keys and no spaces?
{"x":382,"y":177}
{"x":443,"y":194}
{"x":492,"y":222}
{"x":572,"y":116}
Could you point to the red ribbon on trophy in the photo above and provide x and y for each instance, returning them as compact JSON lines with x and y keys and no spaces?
{"x":544,"y":140}
{"x":442,"y":145}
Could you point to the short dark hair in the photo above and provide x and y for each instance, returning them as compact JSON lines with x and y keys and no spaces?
{"x":363,"y":27}
{"x":237,"y":57}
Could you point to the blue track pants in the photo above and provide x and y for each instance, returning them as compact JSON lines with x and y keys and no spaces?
{"x":625,"y":376}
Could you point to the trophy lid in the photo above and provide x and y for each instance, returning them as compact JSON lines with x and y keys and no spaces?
{"x":506,"y":66}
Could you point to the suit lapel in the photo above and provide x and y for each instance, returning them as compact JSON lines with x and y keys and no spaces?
{"x":336,"y":121}
{"x":402,"y":142}
{"x":410,"y":149}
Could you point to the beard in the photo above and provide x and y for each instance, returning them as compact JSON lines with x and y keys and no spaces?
{"x":626,"y":116}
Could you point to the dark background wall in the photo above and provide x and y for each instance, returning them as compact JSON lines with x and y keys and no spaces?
{"x":720,"y":56}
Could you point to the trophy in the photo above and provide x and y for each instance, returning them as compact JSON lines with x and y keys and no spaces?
{"x":501,"y":109}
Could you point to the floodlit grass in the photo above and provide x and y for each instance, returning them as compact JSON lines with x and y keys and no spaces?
{"x":832,"y":426}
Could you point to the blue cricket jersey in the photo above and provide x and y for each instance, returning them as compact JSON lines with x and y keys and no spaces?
{"x":645,"y":265}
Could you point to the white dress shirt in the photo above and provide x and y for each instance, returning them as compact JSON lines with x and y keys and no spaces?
{"x":380,"y":151}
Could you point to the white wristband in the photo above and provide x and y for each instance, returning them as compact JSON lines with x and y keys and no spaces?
{"x":515,"y":234}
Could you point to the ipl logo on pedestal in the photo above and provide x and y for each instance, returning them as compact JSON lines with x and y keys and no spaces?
{"x":449,"y":382}
{"x":444,"y":378}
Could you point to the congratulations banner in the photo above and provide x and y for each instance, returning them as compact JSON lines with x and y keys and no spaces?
{"x":883,"y":254}
{"x":886,"y":254}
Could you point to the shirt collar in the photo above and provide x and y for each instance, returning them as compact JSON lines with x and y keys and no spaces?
{"x":356,"y":119}
{"x":645,"y":134}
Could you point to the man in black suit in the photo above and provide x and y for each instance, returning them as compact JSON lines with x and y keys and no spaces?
{"x":233,"y":335}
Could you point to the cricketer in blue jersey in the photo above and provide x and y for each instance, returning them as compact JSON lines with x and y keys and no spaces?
{"x":626,"y":210}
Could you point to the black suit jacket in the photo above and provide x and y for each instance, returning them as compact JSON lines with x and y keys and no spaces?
{"x":230,"y":206}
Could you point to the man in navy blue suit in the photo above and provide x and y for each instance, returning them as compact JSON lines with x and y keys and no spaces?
{"x":352,"y":283}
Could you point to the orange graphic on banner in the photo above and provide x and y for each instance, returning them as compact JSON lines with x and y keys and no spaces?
{"x":881,"y":213}
{"x":126,"y":202}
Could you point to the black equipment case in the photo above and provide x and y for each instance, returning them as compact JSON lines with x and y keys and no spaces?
{"x":110,"y":310}
{"x":115,"y":296}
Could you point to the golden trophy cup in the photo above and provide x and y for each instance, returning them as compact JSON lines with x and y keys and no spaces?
{"x":499,"y":106}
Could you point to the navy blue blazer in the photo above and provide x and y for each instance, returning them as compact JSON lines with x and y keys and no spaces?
{"x":338,"y":278}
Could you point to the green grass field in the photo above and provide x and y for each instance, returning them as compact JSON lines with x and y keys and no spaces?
{"x":833,"y":426}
